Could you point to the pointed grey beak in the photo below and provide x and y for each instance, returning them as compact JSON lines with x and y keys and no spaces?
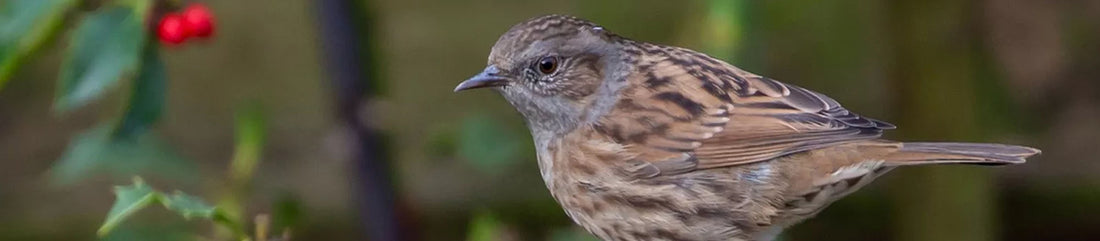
{"x":489,"y":77}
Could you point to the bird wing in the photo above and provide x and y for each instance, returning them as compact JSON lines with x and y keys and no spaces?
{"x":686,"y":111}
{"x":771,"y":119}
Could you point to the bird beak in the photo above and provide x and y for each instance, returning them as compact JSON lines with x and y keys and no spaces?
{"x":487,"y":78}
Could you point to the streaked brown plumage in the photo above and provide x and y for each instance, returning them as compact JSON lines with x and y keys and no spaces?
{"x":640,"y":141}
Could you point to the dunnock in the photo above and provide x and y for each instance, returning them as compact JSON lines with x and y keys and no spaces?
{"x":640,"y":141}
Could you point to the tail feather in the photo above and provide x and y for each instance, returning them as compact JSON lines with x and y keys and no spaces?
{"x":917,"y":153}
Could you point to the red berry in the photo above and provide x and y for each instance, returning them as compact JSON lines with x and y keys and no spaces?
{"x":172,"y":29}
{"x":199,"y":18}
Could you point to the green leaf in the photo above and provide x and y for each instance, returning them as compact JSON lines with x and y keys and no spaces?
{"x":24,"y":26}
{"x":152,"y":229}
{"x":189,"y":206}
{"x":571,"y":234}
{"x":128,"y":200}
{"x":483,"y":227}
{"x":250,"y":133}
{"x":725,"y":28}
{"x":146,"y":96}
{"x":487,"y":144}
{"x":286,"y":212}
{"x":97,"y":151}
{"x":105,"y":48}
{"x":194,"y":207}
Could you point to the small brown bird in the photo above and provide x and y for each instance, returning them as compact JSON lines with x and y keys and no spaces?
{"x":640,"y":141}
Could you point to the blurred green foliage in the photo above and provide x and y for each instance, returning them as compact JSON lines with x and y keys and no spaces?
{"x":98,"y":151}
{"x":147,"y":96}
{"x":126,"y":148}
{"x":250,"y":136}
{"x":484,"y":226}
{"x":726,"y":25}
{"x":287,"y":213}
{"x":484,"y":144}
{"x":108,"y":45}
{"x":229,"y":213}
{"x":24,"y":27}
{"x":147,"y":230}
{"x":105,"y":47}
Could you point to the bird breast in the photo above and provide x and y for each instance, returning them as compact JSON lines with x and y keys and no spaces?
{"x":587,"y":179}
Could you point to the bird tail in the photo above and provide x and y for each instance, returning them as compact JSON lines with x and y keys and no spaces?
{"x":920,"y":153}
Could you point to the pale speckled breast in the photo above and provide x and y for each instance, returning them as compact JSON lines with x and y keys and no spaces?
{"x":715,"y":204}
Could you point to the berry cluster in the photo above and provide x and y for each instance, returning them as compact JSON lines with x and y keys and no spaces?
{"x":194,"y":21}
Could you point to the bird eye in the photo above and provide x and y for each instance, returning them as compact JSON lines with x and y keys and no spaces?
{"x":548,"y":64}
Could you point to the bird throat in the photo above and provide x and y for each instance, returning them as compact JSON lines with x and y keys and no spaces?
{"x":551,"y":115}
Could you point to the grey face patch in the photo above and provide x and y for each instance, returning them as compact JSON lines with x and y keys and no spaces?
{"x":551,"y":114}
{"x":577,"y":92}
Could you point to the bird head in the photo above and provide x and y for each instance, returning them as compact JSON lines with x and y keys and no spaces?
{"x":552,"y":69}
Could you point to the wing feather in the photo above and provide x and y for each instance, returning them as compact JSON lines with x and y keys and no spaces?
{"x":684,"y":114}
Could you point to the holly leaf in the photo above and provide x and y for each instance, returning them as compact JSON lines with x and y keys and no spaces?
{"x":133,"y":198}
{"x":146,"y":97}
{"x":98,"y":151}
{"x":105,"y":48}
{"x":24,"y":26}
{"x":144,"y":229}
{"x":128,"y":200}
{"x":189,"y":206}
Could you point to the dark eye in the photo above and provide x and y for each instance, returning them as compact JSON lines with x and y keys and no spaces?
{"x":548,"y":64}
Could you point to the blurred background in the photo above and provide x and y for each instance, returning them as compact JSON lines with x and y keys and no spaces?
{"x":461,"y":166}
